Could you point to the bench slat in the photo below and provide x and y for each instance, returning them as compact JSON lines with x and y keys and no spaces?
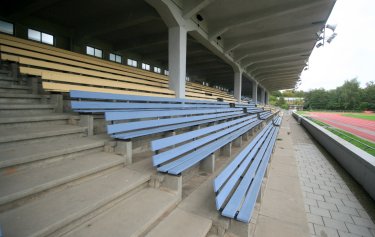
{"x":123,"y":127}
{"x":235,"y":201}
{"x":227,"y":172}
{"x":169,"y":141}
{"x":162,"y":113}
{"x":121,"y":105}
{"x":247,"y":208}
{"x":228,"y":187}
{"x":110,"y":96}
{"x":172,"y":153}
{"x":168,"y":128}
{"x":176,"y":167}
{"x":217,"y":145}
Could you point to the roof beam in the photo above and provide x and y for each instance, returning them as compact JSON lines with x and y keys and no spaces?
{"x":286,"y":77}
{"x":248,"y":61}
{"x":267,"y":65}
{"x":278,"y":75}
{"x":277,"y":70}
{"x":252,"y":17}
{"x":243,"y":53}
{"x":192,"y":7}
{"x":233,"y":43}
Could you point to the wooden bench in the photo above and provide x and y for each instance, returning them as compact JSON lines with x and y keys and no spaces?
{"x":238,"y":185}
{"x":63,"y":70}
{"x":174,"y":155}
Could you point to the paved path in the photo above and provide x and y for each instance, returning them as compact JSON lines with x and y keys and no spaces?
{"x":334,"y":203}
{"x":360,"y":127}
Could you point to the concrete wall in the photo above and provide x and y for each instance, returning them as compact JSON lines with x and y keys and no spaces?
{"x":358,"y":163}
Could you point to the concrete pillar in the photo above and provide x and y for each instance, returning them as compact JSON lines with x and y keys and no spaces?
{"x":226,"y":150}
{"x":255,"y":92}
{"x":262,"y":96}
{"x":267,"y":98}
{"x":208,"y":164}
{"x":125,"y":148}
{"x":238,"y":85}
{"x":88,"y":122}
{"x":177,"y":59}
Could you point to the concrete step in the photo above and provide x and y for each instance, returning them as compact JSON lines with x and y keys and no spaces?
{"x":41,"y":151}
{"x":75,"y":204}
{"x":183,"y":224}
{"x":27,"y":183}
{"x":131,"y":217}
{"x":5,"y":72}
{"x":25,"y":109}
{"x":36,"y":120}
{"x":7,"y":98}
{"x":12,"y":137}
{"x":14,"y":89}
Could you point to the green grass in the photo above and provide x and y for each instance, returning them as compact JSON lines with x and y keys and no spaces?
{"x":361,"y":116}
{"x":301,"y":112}
{"x":356,"y":141}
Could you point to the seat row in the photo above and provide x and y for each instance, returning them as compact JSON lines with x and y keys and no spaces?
{"x":62,"y":71}
{"x":204,"y":128}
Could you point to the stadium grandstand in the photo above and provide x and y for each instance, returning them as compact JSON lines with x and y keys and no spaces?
{"x":149,"y":118}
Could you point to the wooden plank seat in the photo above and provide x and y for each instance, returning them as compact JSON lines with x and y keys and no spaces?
{"x":239,"y":183}
{"x":65,"y":54}
{"x":48,"y":58}
{"x":97,"y":102}
{"x":175,"y":154}
{"x":61,"y":77}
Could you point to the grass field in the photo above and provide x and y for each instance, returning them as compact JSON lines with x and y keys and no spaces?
{"x":361,"y":116}
{"x":356,"y":141}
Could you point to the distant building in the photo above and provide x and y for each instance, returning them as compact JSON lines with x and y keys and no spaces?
{"x":295,"y":102}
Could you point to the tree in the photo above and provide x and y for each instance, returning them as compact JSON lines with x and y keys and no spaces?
{"x":349,"y":95}
{"x":368,"y":97}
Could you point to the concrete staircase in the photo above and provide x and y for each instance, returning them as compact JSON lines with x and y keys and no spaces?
{"x":55,"y":180}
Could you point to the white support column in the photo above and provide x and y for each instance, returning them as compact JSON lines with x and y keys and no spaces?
{"x":177,"y":59}
{"x":255,"y":92}
{"x":238,"y":85}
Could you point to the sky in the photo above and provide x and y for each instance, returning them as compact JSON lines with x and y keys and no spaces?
{"x":351,"y":54}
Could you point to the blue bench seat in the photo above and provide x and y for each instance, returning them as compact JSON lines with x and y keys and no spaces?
{"x":188,"y":149}
{"x":97,"y":102}
{"x":238,"y":184}
{"x":131,"y":124}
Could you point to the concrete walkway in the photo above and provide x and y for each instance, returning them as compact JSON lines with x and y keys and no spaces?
{"x":335,"y":204}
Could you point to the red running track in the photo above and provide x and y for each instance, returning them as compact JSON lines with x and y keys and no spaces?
{"x":360,"y":127}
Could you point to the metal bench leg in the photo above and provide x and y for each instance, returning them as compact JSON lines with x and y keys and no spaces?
{"x":208,"y":164}
{"x":87,"y":121}
{"x":125,"y":148}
